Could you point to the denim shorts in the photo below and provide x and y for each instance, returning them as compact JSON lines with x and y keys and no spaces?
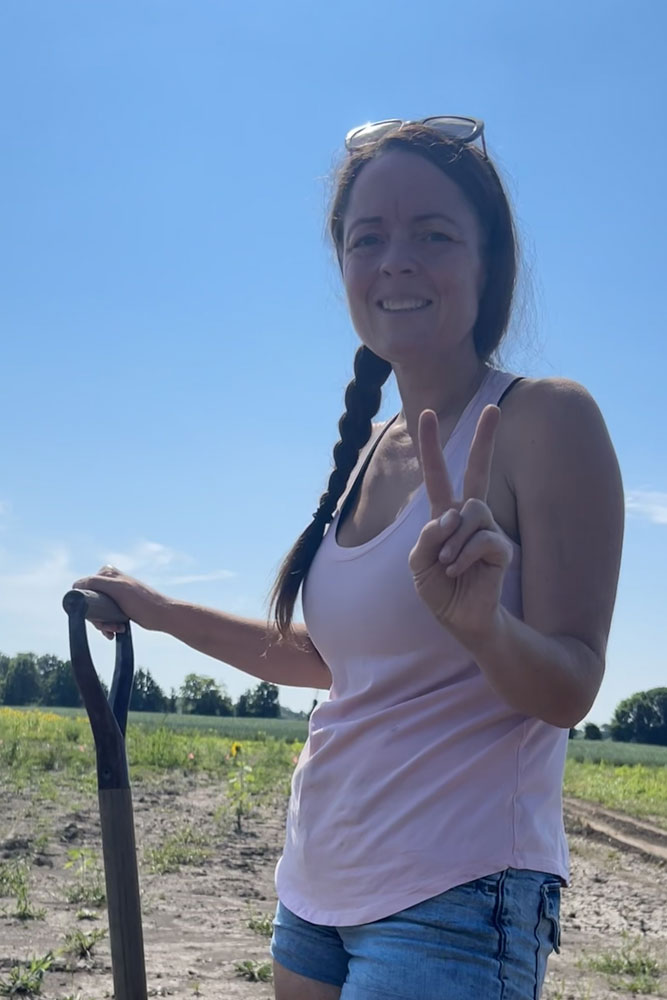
{"x":485,"y":940}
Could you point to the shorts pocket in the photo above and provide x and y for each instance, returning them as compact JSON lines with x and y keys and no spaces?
{"x":550,"y":912}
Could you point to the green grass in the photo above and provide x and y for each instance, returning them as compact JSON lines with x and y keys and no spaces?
{"x":229,"y":727}
{"x":50,"y":751}
{"x":184,"y":847}
{"x":40,"y":747}
{"x":631,"y":967}
{"x":636,"y":789}
{"x":608,"y":752}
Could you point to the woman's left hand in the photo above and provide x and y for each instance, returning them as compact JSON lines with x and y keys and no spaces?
{"x":461,"y":556}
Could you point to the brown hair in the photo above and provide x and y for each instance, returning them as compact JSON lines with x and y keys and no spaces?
{"x":477,"y":178}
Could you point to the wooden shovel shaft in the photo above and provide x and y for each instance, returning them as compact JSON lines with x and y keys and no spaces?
{"x":122,"y":882}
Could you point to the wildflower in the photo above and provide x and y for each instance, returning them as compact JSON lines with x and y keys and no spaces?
{"x":295,"y":759}
{"x":191,"y":756}
{"x":235,"y":749}
{"x":81,"y":747}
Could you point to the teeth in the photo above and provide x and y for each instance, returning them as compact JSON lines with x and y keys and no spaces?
{"x":399,"y":305}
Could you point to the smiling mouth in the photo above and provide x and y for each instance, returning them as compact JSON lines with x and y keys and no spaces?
{"x":403,"y":305}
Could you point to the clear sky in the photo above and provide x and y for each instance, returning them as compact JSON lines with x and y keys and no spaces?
{"x":174,"y":341}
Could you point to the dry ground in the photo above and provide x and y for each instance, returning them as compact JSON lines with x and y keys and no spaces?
{"x":195,"y":919}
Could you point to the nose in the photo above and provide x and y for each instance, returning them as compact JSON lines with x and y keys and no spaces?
{"x":397,"y":259}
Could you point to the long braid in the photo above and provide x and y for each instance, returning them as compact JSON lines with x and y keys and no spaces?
{"x":363,"y":397}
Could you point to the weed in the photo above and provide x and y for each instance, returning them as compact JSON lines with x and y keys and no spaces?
{"x":15,"y":881}
{"x":185,"y":847}
{"x":72,"y":731}
{"x":88,"y":887}
{"x":85,"y":914}
{"x":26,"y":980}
{"x":638,"y":969}
{"x":554,"y":992}
{"x":262,"y":923}
{"x":81,"y":945}
{"x":257,"y":972}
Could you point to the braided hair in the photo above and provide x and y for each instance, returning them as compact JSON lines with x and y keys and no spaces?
{"x":362,"y":401}
{"x":480,"y":184}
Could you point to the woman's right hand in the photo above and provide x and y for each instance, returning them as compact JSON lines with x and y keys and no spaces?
{"x":138,"y":601}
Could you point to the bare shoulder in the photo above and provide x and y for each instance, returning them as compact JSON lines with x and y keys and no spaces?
{"x":546,"y":414}
{"x":555,"y":441}
{"x":546,"y":399}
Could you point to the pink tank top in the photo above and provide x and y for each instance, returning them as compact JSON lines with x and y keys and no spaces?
{"x":416,"y":776}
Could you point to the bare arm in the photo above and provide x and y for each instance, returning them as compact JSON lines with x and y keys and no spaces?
{"x":247,"y":644}
{"x":570,"y":509}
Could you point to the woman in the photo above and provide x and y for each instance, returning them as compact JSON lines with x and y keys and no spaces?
{"x":458,"y":606}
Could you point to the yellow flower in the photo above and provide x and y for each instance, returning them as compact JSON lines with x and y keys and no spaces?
{"x":236,"y":748}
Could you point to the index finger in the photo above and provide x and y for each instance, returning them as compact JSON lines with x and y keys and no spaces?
{"x":478,"y":469}
{"x":434,"y":469}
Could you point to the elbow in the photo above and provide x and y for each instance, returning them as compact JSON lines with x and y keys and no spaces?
{"x":570,"y":707}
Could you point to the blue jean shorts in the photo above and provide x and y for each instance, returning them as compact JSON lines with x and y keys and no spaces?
{"x":485,"y":940}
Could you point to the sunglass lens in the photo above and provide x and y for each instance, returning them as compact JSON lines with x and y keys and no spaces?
{"x":457,"y":128}
{"x":368,"y":133}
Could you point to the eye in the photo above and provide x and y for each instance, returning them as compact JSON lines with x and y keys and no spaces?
{"x":367,"y":240}
{"x":435,"y":236}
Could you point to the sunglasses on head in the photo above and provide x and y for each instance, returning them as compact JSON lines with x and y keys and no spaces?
{"x":454,"y":127}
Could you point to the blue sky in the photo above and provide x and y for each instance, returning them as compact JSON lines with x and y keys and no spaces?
{"x":174,"y":339}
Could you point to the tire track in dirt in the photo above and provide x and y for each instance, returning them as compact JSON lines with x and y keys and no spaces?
{"x":618,"y":829}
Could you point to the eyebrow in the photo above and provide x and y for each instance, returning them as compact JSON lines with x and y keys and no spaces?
{"x":426,"y":217}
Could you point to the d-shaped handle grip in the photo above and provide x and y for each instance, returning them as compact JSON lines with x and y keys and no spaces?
{"x":108,"y":719}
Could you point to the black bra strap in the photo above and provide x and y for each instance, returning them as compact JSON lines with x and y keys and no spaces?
{"x":509,"y":388}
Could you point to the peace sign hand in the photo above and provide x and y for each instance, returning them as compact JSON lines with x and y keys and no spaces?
{"x":461,"y":556}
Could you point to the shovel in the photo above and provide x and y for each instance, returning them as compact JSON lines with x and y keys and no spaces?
{"x":108,"y":720}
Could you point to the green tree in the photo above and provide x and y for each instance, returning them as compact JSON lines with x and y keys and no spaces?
{"x":204,"y":696}
{"x":592,"y":732}
{"x":21,"y":682}
{"x":147,"y":695}
{"x":261,"y":702}
{"x":59,"y":687}
{"x":642,"y":718}
{"x":4,"y":667}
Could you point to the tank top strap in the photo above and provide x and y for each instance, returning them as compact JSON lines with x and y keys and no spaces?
{"x":494,"y":388}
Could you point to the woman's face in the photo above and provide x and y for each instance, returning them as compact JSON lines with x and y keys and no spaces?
{"x":411,"y":259}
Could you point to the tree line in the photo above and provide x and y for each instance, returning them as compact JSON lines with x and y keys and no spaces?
{"x":27,"y":679}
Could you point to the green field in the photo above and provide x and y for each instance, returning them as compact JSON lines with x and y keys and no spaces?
{"x":608,"y":752}
{"x":229,"y":727}
{"x":37,"y":746}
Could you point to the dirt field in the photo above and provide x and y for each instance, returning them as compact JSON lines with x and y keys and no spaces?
{"x":196,"y":920}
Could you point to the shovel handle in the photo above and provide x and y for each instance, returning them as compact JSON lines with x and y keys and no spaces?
{"x":97,"y":607}
{"x":108,"y":719}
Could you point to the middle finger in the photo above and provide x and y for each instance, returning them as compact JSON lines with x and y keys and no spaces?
{"x":478,"y":469}
{"x":474,"y":516}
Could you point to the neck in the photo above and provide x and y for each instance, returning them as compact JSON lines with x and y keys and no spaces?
{"x":446,"y":390}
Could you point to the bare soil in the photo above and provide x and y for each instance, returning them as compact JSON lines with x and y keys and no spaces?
{"x":196,"y":919}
